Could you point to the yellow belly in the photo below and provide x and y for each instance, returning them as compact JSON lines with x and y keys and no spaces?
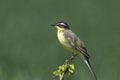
{"x":65,"y":43}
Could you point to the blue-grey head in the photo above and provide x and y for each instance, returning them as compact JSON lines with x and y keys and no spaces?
{"x":61,"y":24}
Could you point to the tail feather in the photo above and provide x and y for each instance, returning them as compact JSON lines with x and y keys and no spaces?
{"x":90,"y":68}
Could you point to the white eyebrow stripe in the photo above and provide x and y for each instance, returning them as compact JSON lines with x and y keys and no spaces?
{"x":63,"y":24}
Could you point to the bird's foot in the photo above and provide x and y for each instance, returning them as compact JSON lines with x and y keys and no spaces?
{"x":70,"y":59}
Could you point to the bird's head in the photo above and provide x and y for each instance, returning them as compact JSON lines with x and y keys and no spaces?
{"x":61,"y":25}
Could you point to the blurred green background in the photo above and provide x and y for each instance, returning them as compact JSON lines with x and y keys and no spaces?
{"x":29,"y":49}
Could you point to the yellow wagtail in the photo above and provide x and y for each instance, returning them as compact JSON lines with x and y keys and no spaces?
{"x":72,"y":43}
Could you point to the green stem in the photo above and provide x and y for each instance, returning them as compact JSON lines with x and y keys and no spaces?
{"x":62,"y":76}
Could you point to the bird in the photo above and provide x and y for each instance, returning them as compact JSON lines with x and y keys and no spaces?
{"x":71,"y":42}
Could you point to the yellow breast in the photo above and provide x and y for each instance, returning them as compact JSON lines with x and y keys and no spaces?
{"x":64,"y":41}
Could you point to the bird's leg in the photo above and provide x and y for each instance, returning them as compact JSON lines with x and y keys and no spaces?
{"x":71,"y":58}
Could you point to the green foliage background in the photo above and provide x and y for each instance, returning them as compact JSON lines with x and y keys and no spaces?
{"x":29,"y":49}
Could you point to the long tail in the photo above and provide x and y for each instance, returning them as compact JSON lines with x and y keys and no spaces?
{"x":90,"y":67}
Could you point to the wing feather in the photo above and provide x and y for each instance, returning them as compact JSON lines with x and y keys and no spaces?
{"x":76,"y":42}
